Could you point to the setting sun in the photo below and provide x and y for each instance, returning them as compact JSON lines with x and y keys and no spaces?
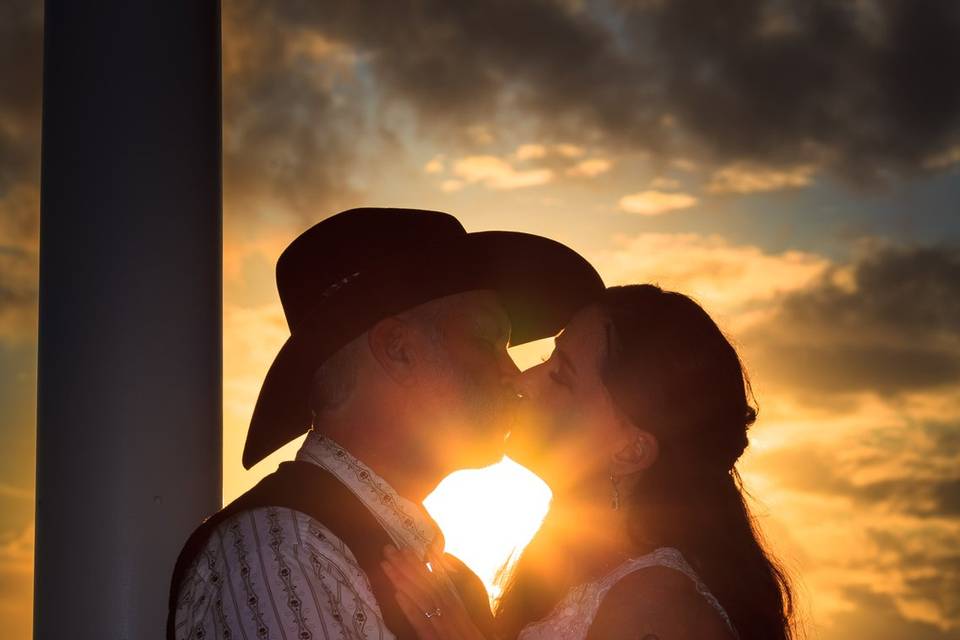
{"x":489,"y":515}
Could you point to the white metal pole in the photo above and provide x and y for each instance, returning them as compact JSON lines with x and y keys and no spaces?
{"x":129,"y":397}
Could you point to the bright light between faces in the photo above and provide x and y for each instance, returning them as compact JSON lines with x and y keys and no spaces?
{"x":489,"y":515}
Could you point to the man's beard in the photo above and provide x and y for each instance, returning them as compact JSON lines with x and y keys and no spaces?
{"x":481,"y":409}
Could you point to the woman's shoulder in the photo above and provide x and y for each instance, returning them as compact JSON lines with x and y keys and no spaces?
{"x":657,"y":602}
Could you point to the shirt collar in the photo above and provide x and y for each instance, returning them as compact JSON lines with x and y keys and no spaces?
{"x":407,"y":523}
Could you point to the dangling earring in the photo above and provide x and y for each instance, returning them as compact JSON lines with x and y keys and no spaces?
{"x":615,"y":498}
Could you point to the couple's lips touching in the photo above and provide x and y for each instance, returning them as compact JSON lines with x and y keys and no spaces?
{"x":528,"y":439}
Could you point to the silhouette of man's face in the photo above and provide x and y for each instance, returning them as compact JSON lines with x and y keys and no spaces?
{"x":472,"y":387}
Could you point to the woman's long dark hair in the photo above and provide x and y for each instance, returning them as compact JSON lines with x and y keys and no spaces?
{"x":672,"y":371}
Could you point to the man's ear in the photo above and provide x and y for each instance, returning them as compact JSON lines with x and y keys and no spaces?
{"x":639,"y":451}
{"x":390,"y":344}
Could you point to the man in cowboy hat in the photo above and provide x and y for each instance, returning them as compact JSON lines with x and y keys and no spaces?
{"x":397,"y":366}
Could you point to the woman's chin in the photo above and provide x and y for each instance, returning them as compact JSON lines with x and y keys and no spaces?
{"x":557,"y":471}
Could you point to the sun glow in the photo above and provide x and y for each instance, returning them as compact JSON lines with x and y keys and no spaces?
{"x":488,"y":516}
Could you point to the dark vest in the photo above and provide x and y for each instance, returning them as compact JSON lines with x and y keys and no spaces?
{"x":305,"y":487}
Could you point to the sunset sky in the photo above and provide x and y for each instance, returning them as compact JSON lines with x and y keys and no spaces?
{"x":794,"y":166}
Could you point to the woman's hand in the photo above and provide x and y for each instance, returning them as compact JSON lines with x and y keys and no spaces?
{"x":429,"y":601}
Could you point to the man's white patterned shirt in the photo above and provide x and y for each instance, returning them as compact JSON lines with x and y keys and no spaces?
{"x":276,"y":573}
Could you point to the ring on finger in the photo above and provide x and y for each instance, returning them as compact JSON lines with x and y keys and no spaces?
{"x":432,"y":614}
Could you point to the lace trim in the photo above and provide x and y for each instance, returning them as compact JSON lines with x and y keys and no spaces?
{"x":572,"y":616}
{"x":406,"y":522}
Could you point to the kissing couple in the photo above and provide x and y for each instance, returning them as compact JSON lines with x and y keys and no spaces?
{"x":397,"y":369}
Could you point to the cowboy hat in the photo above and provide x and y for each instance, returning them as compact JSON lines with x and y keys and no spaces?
{"x":346,"y":273}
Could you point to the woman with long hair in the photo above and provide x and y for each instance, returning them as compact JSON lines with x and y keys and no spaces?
{"x":637,"y":421}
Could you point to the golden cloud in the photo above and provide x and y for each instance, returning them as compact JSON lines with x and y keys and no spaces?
{"x":497,"y":173}
{"x":569,"y":150}
{"x":315,"y":48}
{"x":17,"y":493}
{"x":435,"y":165}
{"x":16,"y":581}
{"x":944,"y":159}
{"x":743,"y":178}
{"x":655,"y":203}
{"x":724,"y":276}
{"x":451,"y":185}
{"x":530,"y":151}
{"x":590,"y":168}
{"x":16,"y":551}
{"x":870,"y":494}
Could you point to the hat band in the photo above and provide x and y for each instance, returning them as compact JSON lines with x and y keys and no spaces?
{"x":339,"y":284}
{"x":434,"y":271}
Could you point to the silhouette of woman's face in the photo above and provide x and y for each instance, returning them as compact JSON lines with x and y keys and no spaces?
{"x":571,"y":427}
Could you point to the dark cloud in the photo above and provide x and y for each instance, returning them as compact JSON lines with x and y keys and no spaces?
{"x":861,"y":87}
{"x":17,"y":291}
{"x":943,"y":435}
{"x":892,"y":326}
{"x":18,"y":295}
{"x":875,"y":615}
{"x":881,"y":368}
{"x":286,"y":142}
{"x":930,"y":566}
{"x":831,"y":472}
{"x":461,"y":61}
{"x":290,"y":134}
{"x":915,"y":496}
{"x":942,"y":587}
{"x":909,"y":291}
{"x":21,"y":44}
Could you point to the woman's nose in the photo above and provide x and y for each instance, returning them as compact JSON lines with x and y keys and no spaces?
{"x":528,"y":381}
{"x":509,"y":373}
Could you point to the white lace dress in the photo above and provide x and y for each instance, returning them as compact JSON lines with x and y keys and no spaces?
{"x":572,"y":617}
